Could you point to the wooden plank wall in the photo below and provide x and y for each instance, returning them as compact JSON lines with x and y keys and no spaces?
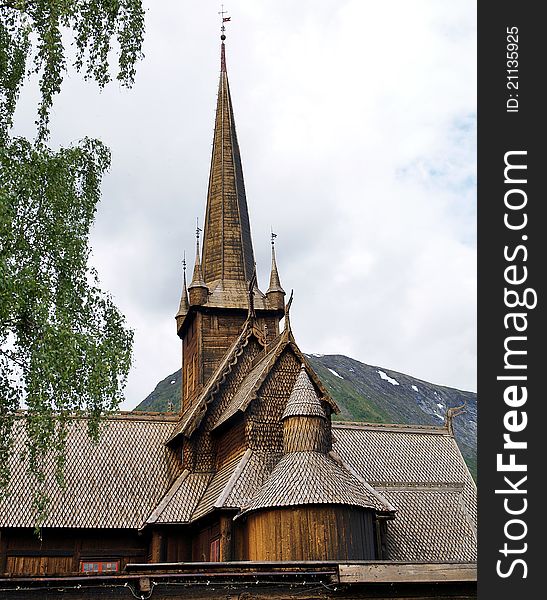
{"x":60,"y":551}
{"x":191,"y":375}
{"x":310,"y":533}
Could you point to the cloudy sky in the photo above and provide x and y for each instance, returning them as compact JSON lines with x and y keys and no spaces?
{"x":357,"y":126}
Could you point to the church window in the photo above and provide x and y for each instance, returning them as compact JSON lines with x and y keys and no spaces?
{"x":99,"y":566}
{"x":214,"y":550}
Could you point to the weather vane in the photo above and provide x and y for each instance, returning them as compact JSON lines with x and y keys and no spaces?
{"x":197,"y":228}
{"x":184,"y":261}
{"x":274,"y":235}
{"x":224,"y":19}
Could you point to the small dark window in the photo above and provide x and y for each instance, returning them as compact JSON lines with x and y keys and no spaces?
{"x":214,"y":550}
{"x":99,"y":566}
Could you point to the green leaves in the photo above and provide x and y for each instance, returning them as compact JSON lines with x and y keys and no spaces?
{"x":64,"y":346}
{"x":31,"y":33}
{"x":65,"y":349}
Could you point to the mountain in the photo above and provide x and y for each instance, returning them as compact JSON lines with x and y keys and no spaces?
{"x":367,"y":393}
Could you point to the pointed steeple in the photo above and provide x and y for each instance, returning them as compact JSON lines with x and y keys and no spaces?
{"x":275,"y":293}
{"x":183,"y":306}
{"x":227,"y":246}
{"x":198,"y":289}
{"x":303,"y":400}
{"x":306,"y":427}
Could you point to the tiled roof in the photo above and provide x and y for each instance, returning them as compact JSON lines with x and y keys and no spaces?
{"x":421,"y":472}
{"x":130,"y":477}
{"x":249,"y":387}
{"x":392,"y":454}
{"x":256,"y":377}
{"x":113,"y":484}
{"x":313,"y":478}
{"x":431,"y":525}
{"x":181,"y":500}
{"x":253,"y":476}
{"x":214,"y":493}
{"x":303,"y":400}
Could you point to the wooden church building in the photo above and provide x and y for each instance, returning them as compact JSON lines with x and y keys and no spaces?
{"x":252,"y":484}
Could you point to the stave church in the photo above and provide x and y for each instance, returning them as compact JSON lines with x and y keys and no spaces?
{"x":251,"y":490}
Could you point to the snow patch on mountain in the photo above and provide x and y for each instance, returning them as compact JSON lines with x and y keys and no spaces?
{"x":335,"y":373}
{"x":387,"y":378}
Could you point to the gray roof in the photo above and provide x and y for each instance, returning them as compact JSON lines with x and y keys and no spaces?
{"x":181,"y":500}
{"x":250,"y":386}
{"x":421,"y":472}
{"x":113,"y":484}
{"x":406,"y":454}
{"x":303,"y":400}
{"x":432,"y":524}
{"x":130,"y":478}
{"x":314,"y":478}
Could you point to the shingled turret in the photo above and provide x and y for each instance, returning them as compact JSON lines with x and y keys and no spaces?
{"x":184,"y":304}
{"x":305,"y":425}
{"x":198,"y":290}
{"x":275,"y":293}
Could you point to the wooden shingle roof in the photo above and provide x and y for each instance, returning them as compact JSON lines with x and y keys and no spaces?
{"x":250,"y":386}
{"x":421,"y":472}
{"x":227,"y":244}
{"x":130,"y":477}
{"x":191,"y":419}
{"x":181,"y":500}
{"x":303,"y":400}
{"x":313,"y":478}
{"x":113,"y":484}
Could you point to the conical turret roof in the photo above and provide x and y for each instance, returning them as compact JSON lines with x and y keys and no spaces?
{"x":303,"y":400}
{"x":275,"y":283}
{"x":184,"y":304}
{"x":197,"y":277}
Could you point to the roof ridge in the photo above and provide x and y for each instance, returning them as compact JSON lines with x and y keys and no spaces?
{"x":262,"y":368}
{"x":399,"y":427}
{"x":233,"y":479}
{"x":162,"y":504}
{"x":369,"y":487}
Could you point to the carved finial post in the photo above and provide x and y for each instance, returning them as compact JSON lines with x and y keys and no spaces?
{"x":450,"y":414}
{"x":223,"y":20}
{"x":287,"y":316}
{"x":251,"y":292}
{"x":184,"y":304}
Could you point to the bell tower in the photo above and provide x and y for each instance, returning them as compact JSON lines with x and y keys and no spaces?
{"x":223,"y":292}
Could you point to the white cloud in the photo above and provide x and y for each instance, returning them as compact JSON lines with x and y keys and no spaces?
{"x":356,"y":122}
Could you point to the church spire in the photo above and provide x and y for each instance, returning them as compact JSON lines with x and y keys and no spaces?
{"x":227,"y":246}
{"x":198,"y":290}
{"x":275,"y":293}
{"x":184,"y":305}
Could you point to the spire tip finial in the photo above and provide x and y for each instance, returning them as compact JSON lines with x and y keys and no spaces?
{"x":223,"y":20}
